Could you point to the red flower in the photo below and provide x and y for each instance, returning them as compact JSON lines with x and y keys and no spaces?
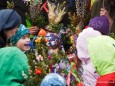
{"x":79,"y":84}
{"x":38,"y":71}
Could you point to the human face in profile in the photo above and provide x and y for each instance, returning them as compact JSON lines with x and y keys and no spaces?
{"x":10,"y":33}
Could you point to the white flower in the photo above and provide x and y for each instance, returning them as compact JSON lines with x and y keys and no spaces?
{"x":39,"y":58}
{"x":24,"y":75}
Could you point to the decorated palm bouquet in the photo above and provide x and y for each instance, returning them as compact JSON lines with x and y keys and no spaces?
{"x":34,"y":14}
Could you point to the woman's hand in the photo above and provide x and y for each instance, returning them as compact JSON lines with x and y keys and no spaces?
{"x":33,"y":30}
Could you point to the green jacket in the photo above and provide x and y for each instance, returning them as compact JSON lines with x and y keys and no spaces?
{"x":13,"y":67}
{"x":102,"y":54}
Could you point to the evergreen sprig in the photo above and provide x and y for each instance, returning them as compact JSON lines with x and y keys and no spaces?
{"x":112,"y":35}
{"x":55,"y":28}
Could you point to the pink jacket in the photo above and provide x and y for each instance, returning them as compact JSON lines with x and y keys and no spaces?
{"x":89,"y":73}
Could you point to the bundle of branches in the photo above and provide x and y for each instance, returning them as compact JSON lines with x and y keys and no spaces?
{"x":34,"y":14}
{"x":38,"y":63}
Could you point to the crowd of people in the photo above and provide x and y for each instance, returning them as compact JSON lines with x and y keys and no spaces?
{"x":95,"y":49}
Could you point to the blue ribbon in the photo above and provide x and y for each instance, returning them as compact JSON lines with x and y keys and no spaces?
{"x":31,"y":44}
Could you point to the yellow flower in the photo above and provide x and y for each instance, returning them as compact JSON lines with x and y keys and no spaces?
{"x":38,"y":39}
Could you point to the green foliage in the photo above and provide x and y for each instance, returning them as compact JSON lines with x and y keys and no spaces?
{"x":10,"y":5}
{"x":55,"y":28}
{"x":112,"y":35}
{"x":73,"y":29}
{"x":41,"y":49}
{"x":37,"y":21}
{"x":34,"y":14}
{"x":44,"y":65}
{"x":57,"y":57}
{"x":76,"y":20}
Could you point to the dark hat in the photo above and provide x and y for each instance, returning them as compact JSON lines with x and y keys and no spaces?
{"x":9,"y":19}
{"x":100,"y":23}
